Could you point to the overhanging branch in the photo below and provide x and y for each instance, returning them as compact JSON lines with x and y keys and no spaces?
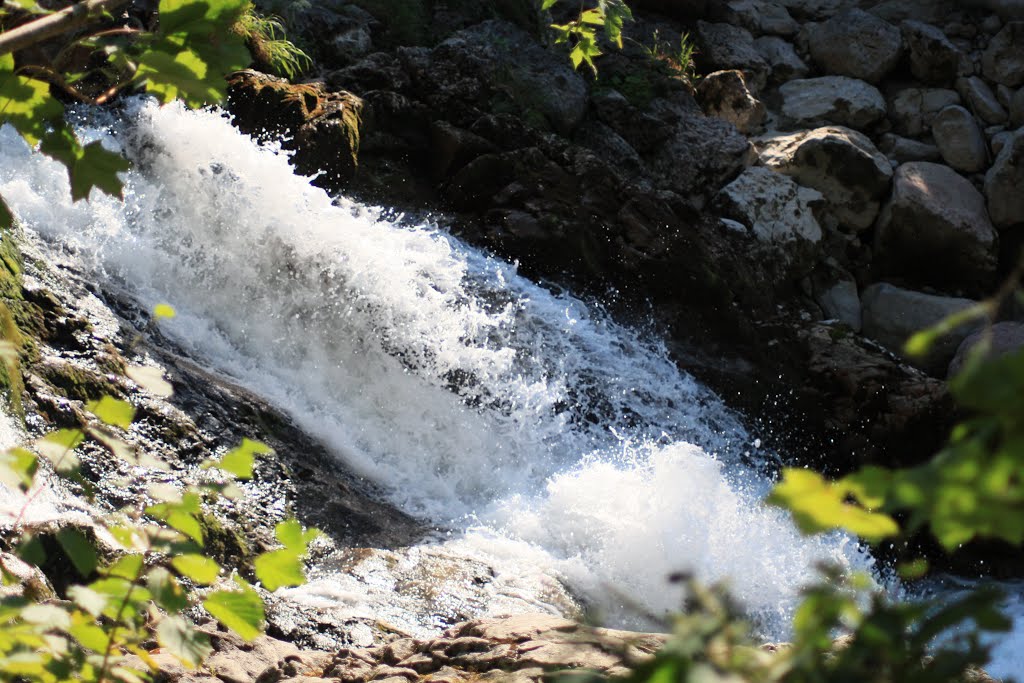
{"x":68,"y":19}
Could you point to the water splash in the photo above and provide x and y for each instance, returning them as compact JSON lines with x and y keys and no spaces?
{"x":539,"y":431}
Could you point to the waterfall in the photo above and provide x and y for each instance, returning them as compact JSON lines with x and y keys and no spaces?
{"x":524,"y":423}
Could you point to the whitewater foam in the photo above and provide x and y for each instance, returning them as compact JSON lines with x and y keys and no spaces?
{"x":526,"y":421}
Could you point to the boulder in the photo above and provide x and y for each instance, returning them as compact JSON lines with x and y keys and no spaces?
{"x":959,"y":140}
{"x":999,"y":339}
{"x":1004,"y":184}
{"x":783,"y":60}
{"x":935,"y":230}
{"x":778,"y":213}
{"x":840,"y":163}
{"x":835,"y":291}
{"x":857,"y":44}
{"x":902,"y":150}
{"x":933,"y":58}
{"x":831,"y":99}
{"x":998,"y":141}
{"x":912,"y":110}
{"x":982,"y":101}
{"x":1017,"y":109}
{"x":896,"y":11}
{"x":891,"y":315}
{"x":816,"y":10}
{"x":1003,"y":60}
{"x":724,"y":94}
{"x":760,"y":17}
{"x":724,"y":47}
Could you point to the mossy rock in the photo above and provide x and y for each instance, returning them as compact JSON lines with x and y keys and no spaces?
{"x":11,"y":380}
{"x":77,"y":383}
{"x":228,"y":547}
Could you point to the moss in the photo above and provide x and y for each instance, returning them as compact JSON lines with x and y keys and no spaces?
{"x":227,"y":546}
{"x":80,"y":384}
{"x":11,"y":380}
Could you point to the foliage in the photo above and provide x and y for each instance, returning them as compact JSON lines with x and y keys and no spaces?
{"x":267,"y":42}
{"x":581,"y":33}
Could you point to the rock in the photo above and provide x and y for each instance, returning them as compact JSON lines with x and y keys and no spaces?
{"x":783,"y":60}
{"x":891,"y":315}
{"x":760,"y":17}
{"x":816,"y":9}
{"x":1004,"y":95}
{"x":778,"y":213}
{"x":840,"y":163}
{"x":959,"y":140}
{"x":724,"y":94}
{"x":903,"y":149}
{"x":1017,"y":109}
{"x":896,"y":11}
{"x":832,"y":99}
{"x":856,"y":44}
{"x":322,"y":126}
{"x":912,"y":110}
{"x":998,"y":141}
{"x":1004,"y":184}
{"x":980,"y":98}
{"x":1001,"y":339}
{"x":835,"y":291}
{"x":1007,"y":9}
{"x":1003,"y":60}
{"x":724,"y":47}
{"x":933,"y":59}
{"x":935,"y":231}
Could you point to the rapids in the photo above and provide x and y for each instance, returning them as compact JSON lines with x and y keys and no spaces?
{"x":533,"y":431}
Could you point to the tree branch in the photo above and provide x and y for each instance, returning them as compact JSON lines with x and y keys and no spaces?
{"x":55,"y":24}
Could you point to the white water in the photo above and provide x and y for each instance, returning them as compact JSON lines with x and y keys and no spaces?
{"x":550,"y":441}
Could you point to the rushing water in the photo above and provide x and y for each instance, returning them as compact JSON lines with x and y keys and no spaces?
{"x":544,"y":436}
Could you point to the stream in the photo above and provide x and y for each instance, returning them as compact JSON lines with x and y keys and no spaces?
{"x":532,"y":431}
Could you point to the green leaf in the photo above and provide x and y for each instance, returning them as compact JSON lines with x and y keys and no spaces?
{"x":167,"y":592}
{"x":818,"y":505}
{"x":88,"y":599}
{"x":31,"y":549}
{"x":79,"y":549}
{"x":290,"y":534}
{"x":57,"y":447}
{"x":239,"y":461}
{"x":89,"y":166}
{"x":25,"y":103}
{"x":113,"y":411}
{"x":89,"y":635}
{"x":280,"y":568}
{"x":126,"y":567}
{"x":241,"y":611}
{"x":547,"y":4}
{"x":18,"y":468}
{"x":182,"y":640}
{"x":164,"y":311}
{"x":46,"y":616}
{"x":200,"y":569}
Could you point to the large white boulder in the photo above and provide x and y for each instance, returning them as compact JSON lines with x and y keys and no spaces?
{"x":832,"y":99}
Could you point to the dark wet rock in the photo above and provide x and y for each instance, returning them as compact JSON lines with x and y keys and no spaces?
{"x":959,"y":139}
{"x":782,"y":58}
{"x":724,"y":47}
{"x":912,"y":110}
{"x":992,"y":341}
{"x":891,"y":315}
{"x":760,"y":17}
{"x":935,"y":230}
{"x":1004,"y":183}
{"x":322,"y":126}
{"x":981,"y":100}
{"x":1003,"y":60}
{"x":933,"y":58}
{"x":856,"y":44}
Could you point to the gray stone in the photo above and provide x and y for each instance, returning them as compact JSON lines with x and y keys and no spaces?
{"x":838,"y":298}
{"x":912,"y":110}
{"x":959,"y":140}
{"x":724,"y":47}
{"x":998,"y":141}
{"x":842,"y":164}
{"x":935,"y":230}
{"x":895,"y":11}
{"x":856,"y":44}
{"x":981,"y":100}
{"x":1017,"y":109}
{"x":933,"y":59}
{"x":891,"y":315}
{"x":724,"y":94}
{"x":832,"y":99}
{"x":1003,"y":60}
{"x":816,"y":9}
{"x":1007,"y":9}
{"x":1004,"y":95}
{"x":778,"y":214}
{"x":783,"y":60}
{"x":992,"y":341}
{"x":1004,"y":183}
{"x":902,"y":150}
{"x":760,"y":17}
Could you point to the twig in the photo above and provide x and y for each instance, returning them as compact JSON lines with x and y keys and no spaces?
{"x":55,"y":24}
